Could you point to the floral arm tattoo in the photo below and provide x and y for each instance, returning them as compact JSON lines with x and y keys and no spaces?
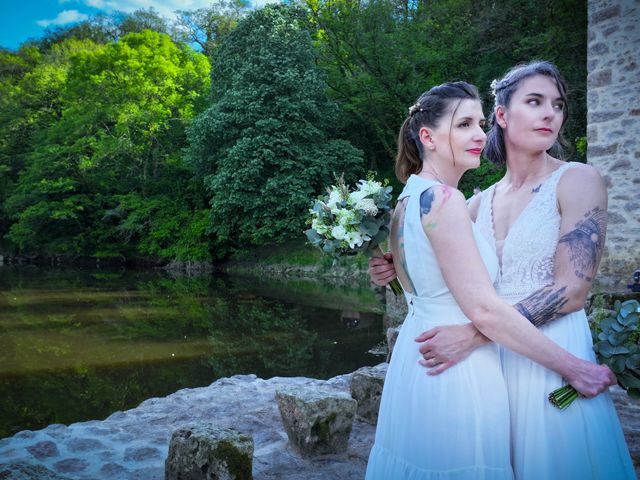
{"x":585,"y":243}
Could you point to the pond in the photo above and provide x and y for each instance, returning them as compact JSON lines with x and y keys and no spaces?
{"x":78,"y":345}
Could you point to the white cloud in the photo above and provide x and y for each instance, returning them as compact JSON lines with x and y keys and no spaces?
{"x":163,"y":7}
{"x":262,"y":3}
{"x":64,"y":17}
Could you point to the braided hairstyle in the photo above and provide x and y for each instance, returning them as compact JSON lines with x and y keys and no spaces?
{"x":427,"y":112}
{"x":504,"y":89}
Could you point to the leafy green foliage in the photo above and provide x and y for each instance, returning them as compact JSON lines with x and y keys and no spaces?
{"x":114,"y":135}
{"x":265,"y":146}
{"x":381,"y":55}
{"x":93,"y":116}
{"x":617,"y":343}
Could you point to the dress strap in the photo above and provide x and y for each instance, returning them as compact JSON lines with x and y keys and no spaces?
{"x":415,"y":186}
{"x":552,"y":183}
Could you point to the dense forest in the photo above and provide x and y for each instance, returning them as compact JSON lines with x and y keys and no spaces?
{"x":132,"y":136}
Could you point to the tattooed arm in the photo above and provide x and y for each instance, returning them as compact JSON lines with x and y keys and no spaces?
{"x":582,"y":201}
{"x":446,"y":223}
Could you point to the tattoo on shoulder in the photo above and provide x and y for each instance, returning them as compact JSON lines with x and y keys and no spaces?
{"x":586,"y":243}
{"x":543,"y":306}
{"x":536,"y":190}
{"x":426,"y":201}
{"x":428,"y":197}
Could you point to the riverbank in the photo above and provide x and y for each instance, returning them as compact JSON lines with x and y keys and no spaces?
{"x":133,"y":445}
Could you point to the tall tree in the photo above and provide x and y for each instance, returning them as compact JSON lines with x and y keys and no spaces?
{"x":266,"y":145}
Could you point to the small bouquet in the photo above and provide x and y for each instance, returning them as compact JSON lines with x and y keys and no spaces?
{"x":349,"y":222}
{"x":617,"y":345}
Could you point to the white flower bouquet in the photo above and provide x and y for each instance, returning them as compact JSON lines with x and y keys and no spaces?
{"x":347,"y":222}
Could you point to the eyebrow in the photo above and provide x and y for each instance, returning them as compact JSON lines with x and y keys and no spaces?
{"x":539,"y":95}
{"x":469,"y":119}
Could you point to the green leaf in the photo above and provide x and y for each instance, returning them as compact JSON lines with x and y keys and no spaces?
{"x":628,"y":380}
{"x":607,"y":350}
{"x":617,"y":338}
{"x":633,"y":361}
{"x":628,"y":307}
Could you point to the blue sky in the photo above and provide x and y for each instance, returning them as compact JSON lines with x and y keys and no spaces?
{"x":25,"y":19}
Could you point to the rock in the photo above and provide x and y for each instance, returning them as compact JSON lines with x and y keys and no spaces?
{"x":141,"y":454}
{"x":42,"y":450}
{"x":71,"y":465}
{"x":317,"y":421}
{"x":392,"y":336}
{"x":209,"y":452}
{"x":26,"y":471}
{"x":366,"y":389}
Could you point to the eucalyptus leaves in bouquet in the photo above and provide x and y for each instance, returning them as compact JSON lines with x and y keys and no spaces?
{"x":348,"y":222}
{"x":617,"y":344}
{"x":616,"y":335}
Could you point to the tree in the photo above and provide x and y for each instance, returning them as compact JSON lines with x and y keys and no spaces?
{"x":207,"y":27}
{"x":115,"y":148}
{"x":266,"y":145}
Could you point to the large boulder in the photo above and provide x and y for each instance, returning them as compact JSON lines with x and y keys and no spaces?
{"x":366,"y":389}
{"x":317,"y":421}
{"x":209,"y":452}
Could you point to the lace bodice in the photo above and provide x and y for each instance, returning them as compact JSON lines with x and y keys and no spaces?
{"x":528,"y":251}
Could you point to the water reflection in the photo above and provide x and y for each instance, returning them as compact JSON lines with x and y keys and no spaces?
{"x":77,"y":345}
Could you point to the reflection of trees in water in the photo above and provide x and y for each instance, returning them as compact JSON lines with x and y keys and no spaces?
{"x":253,"y":335}
{"x":36,"y":400}
{"x":63,"y":314}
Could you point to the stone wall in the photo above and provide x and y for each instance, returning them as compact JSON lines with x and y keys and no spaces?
{"x":613,"y":101}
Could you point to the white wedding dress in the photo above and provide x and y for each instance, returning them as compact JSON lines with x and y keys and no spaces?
{"x":454,"y":426}
{"x":585,"y":440}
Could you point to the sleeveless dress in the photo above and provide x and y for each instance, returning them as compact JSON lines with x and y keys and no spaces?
{"x":450,"y":426}
{"x":584,"y":441}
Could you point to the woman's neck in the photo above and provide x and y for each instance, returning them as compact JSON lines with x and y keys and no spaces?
{"x":446,"y":176}
{"x":524,"y":168}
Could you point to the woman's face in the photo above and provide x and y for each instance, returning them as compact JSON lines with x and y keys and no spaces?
{"x":460,"y":136}
{"x":534,"y":116}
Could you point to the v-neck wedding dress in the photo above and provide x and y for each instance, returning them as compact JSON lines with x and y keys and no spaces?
{"x":585,"y":441}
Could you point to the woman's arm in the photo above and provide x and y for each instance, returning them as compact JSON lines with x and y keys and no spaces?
{"x":446,"y":222}
{"x":582,"y":201}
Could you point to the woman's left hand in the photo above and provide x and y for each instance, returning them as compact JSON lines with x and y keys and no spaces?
{"x":443,"y":347}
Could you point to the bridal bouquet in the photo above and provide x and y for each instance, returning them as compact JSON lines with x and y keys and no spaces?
{"x":345,"y":222}
{"x":617,"y":346}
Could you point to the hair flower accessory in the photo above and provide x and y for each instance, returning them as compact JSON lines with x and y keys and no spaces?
{"x":415,"y":108}
{"x":494,"y":86}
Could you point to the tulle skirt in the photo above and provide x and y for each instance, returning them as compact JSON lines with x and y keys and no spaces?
{"x":451,"y":426}
{"x":582,"y":442}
